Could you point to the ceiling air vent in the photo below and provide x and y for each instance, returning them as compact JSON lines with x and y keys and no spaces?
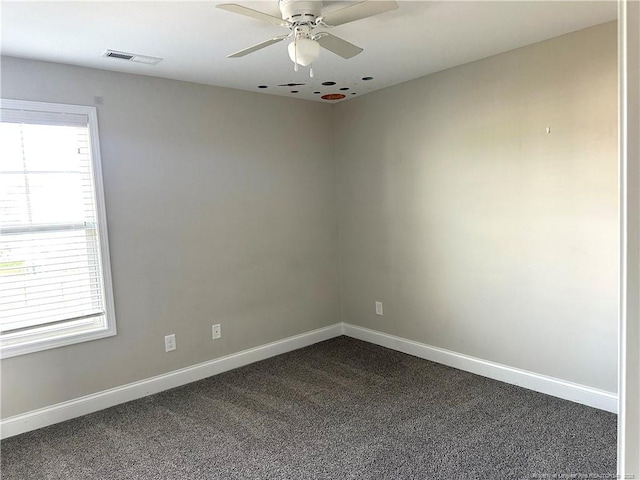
{"x":131,"y":57}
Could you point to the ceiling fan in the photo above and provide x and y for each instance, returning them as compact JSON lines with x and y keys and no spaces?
{"x":303,"y":18}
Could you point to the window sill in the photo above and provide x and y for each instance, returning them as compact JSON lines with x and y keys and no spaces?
{"x":45,"y":338}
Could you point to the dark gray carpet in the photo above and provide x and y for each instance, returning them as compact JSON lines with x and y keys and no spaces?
{"x":341,"y":409}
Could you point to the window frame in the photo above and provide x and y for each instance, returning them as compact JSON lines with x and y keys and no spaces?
{"x":54,"y":335}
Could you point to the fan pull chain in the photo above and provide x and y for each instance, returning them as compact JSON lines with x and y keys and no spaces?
{"x":295,"y":49}
{"x":311,"y":71}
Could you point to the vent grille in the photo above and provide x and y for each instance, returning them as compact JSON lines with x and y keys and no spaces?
{"x":123,"y":56}
{"x":132,"y":57}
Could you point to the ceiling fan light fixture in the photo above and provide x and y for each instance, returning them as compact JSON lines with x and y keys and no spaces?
{"x":304,"y":51}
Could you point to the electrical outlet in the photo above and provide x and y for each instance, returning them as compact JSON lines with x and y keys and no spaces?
{"x":170,"y":342}
{"x":378,"y":308}
{"x":216,"y":331}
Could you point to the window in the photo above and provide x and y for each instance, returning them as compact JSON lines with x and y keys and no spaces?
{"x":55,"y":281}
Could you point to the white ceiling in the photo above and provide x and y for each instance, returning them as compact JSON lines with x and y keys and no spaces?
{"x":419,"y":38}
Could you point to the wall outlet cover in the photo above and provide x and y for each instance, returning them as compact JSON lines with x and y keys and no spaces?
{"x":216,"y":331}
{"x":170,"y":343}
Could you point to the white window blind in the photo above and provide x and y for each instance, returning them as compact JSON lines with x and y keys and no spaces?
{"x":52,"y":271}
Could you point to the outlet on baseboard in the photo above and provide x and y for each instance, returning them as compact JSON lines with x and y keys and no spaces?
{"x":216,"y":331}
{"x":170,"y":343}
{"x":378,"y":308}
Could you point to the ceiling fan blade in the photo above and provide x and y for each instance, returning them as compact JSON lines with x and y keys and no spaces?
{"x":357,"y":11}
{"x":338,"y":46}
{"x":249,"y":12}
{"x":257,"y":46}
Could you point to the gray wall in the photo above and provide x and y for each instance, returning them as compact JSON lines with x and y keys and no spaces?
{"x":214,"y":216}
{"x":478,"y":231}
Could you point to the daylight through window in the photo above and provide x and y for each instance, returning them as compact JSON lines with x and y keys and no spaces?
{"x":54,"y":272}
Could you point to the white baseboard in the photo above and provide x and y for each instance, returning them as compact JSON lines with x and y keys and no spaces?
{"x":592,"y":397}
{"x":108,"y":398}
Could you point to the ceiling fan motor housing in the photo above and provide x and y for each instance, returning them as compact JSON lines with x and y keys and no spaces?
{"x":299,"y":11}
